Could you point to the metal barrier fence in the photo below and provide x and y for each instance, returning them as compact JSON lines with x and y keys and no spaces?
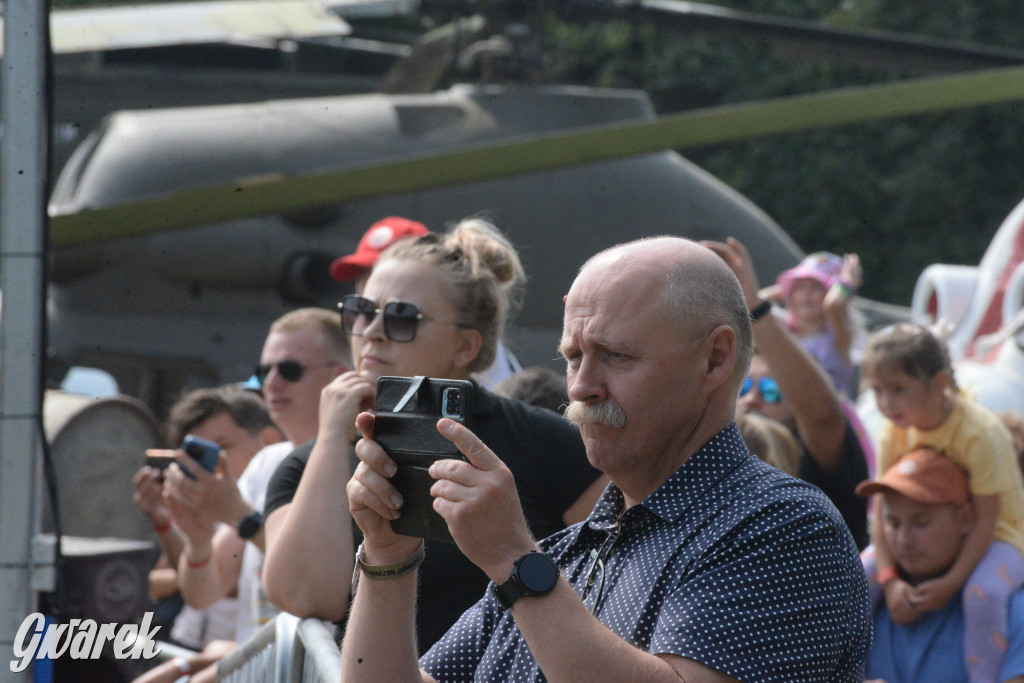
{"x":286,"y":650}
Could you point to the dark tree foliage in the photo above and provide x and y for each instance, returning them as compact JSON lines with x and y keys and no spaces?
{"x":902,"y":193}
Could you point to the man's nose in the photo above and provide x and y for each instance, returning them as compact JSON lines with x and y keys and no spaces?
{"x":585,"y":384}
{"x":750,"y":401}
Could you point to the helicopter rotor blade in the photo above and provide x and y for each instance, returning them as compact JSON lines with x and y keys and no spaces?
{"x":275,"y":193}
{"x":910,"y":54}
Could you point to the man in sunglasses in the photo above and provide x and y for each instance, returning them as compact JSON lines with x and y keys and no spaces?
{"x":698,"y":563}
{"x":304,"y":351}
{"x":356,"y":267}
{"x":786,"y":384}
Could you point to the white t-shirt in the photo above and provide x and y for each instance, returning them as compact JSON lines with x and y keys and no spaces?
{"x":254,"y":609}
{"x":195,"y":628}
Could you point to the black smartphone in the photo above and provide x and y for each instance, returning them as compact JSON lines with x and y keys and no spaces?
{"x":203,"y":451}
{"x":405,"y":426}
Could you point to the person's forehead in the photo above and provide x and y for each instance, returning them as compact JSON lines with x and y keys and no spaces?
{"x":624,"y":327}
{"x":219,"y":427}
{"x":407,"y":280}
{"x":902,"y":505}
{"x":298,"y":344}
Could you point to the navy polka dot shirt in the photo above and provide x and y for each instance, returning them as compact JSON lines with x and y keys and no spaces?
{"x":731,"y":563}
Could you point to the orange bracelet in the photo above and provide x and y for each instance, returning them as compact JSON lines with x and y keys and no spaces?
{"x":196,"y":565}
{"x":886,"y":575}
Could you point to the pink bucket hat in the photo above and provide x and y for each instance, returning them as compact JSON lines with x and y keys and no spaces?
{"x":823,"y":266}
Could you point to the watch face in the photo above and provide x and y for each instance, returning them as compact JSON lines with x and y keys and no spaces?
{"x":250,"y":525}
{"x":538,"y":573}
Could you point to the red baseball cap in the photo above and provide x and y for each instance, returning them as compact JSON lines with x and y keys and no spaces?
{"x":379,"y":237}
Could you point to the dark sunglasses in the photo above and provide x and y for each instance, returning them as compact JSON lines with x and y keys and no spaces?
{"x":401,"y":319}
{"x":290,"y":369}
{"x":766,"y":386}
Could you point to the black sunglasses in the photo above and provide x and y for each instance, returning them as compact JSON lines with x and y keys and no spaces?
{"x":290,"y":369}
{"x":401,"y":319}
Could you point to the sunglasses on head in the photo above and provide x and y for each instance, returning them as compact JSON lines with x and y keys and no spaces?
{"x":766,"y":387}
{"x":290,"y":369}
{"x":401,"y":319}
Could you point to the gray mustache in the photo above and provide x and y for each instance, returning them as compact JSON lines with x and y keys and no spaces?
{"x":606,"y":413}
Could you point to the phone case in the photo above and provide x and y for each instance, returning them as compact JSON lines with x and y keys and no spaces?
{"x":407,"y":412}
{"x":203,"y":451}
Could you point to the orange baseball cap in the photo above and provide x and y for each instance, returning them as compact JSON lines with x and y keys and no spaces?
{"x":379,"y":237}
{"x":923,"y":475}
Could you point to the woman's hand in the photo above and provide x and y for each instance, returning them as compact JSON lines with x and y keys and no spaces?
{"x":341,"y":401}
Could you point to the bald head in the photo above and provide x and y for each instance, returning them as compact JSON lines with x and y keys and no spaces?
{"x":695,"y":288}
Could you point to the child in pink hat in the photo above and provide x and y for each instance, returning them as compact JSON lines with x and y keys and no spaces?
{"x":816,"y":295}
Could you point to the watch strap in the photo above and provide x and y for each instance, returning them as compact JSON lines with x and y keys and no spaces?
{"x":761,"y":310}
{"x":508,"y":592}
{"x":250,"y":525}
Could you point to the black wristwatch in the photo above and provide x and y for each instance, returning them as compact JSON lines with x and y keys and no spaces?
{"x":250,"y":525}
{"x":533,"y":574}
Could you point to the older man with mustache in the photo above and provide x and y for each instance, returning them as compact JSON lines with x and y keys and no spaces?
{"x":698,"y":563}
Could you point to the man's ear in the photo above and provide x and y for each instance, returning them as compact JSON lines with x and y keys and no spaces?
{"x":470,"y":341}
{"x":271,"y":435}
{"x":721,"y":357}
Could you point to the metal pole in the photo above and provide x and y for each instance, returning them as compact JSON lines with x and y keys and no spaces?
{"x":23,"y":153}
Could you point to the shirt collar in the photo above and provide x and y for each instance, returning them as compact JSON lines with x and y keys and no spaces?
{"x":701,"y":472}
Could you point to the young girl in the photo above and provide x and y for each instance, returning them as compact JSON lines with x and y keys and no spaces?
{"x":909,"y":371}
{"x":816,"y":295}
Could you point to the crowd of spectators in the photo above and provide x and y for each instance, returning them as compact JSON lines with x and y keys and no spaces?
{"x":628,"y":480}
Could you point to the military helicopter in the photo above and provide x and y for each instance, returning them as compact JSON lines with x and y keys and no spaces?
{"x":283,"y":186}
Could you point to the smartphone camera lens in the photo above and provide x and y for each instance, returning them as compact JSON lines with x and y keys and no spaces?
{"x":452,"y":406}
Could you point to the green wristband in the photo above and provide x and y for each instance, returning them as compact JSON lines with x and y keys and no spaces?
{"x":385,"y":572}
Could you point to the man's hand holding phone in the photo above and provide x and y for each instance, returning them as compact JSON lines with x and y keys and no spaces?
{"x":479,"y":501}
{"x":148,"y":496}
{"x":199,"y":496}
{"x":477,"y":498}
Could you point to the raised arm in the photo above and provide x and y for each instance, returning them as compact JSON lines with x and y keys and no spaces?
{"x":837,"y":303}
{"x":317,"y":526}
{"x":380,"y":637}
{"x":804,"y":384}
